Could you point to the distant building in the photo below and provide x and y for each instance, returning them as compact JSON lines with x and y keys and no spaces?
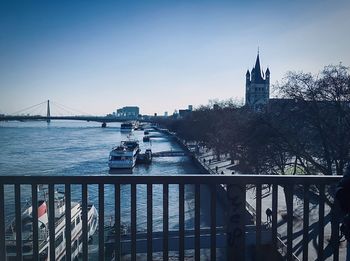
{"x":130,"y":112}
{"x":166,"y":114}
{"x":185,"y":112}
{"x":257,"y":92}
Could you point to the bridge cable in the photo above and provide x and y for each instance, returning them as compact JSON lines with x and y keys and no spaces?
{"x":71,"y":109}
{"x":59,"y":110}
{"x":30,"y":107}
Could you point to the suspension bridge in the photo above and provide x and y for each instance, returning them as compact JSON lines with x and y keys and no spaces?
{"x":42,"y":111}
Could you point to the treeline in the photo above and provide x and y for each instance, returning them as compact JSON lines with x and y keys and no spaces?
{"x":305,"y":131}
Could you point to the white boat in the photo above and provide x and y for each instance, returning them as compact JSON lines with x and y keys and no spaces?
{"x":124,"y":156}
{"x":43,"y":230}
{"x":127,"y":127}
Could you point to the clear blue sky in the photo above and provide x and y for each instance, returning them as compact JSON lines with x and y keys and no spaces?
{"x":96,"y":56}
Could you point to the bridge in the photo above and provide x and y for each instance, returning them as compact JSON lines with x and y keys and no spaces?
{"x":170,"y":153}
{"x":34,"y":113}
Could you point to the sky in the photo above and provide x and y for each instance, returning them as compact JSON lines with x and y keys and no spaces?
{"x":97,"y":56}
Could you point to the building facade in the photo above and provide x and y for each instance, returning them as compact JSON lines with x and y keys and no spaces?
{"x":257,"y":87}
{"x":130,"y":112}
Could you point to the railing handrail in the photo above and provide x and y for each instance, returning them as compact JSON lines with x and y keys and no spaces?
{"x":171,"y":179}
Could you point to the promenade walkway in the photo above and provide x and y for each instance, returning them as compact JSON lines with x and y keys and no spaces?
{"x":224,"y":166}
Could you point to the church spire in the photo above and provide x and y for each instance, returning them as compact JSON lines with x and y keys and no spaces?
{"x":257,"y":86}
{"x":257,"y":68}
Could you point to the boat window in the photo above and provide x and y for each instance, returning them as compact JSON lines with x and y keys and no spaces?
{"x":78,"y":220}
{"x":72,"y":225}
{"x":27,"y":227}
{"x":59,"y":240}
{"x":11,"y":249}
{"x":75,"y":245}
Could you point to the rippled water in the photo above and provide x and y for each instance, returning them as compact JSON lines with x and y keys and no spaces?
{"x":82,"y":148}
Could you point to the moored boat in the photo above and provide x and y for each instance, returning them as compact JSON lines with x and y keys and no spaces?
{"x":124,"y":156}
{"x":127,"y":127}
{"x":43,"y":230}
{"x":145,"y":158}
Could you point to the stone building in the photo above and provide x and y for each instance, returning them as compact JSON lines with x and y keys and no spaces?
{"x":257,"y":87}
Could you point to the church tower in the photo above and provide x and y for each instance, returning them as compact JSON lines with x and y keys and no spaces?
{"x":257,"y":88}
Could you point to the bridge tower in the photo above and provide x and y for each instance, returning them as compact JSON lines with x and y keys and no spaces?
{"x":48,"y":112}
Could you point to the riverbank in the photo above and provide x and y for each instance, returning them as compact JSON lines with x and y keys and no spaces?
{"x":209,"y":163}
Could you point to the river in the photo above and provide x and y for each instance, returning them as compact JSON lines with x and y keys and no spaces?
{"x":82,"y":148}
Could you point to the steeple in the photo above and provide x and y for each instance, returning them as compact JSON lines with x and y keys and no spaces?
{"x":257,"y":86}
{"x":257,"y":70}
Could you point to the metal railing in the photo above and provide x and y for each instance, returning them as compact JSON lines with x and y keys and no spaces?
{"x":235,"y":207}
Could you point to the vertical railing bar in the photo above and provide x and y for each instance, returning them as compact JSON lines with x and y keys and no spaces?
{"x":336,"y":233}
{"x":68,"y":213}
{"x":274,"y":215}
{"x":133,"y":222}
{"x":197,"y":222}
{"x":35,"y":222}
{"x":213,"y":222}
{"x":101,"y":221}
{"x":289,"y":222}
{"x":236,"y":222}
{"x":18,"y":221}
{"x":117,"y":252}
{"x":52,"y":221}
{"x":306,"y":222}
{"x":2,"y":223}
{"x":258,"y":221}
{"x":181,"y":222}
{"x":149,"y":222}
{"x":321,"y":222}
{"x":165,"y":221}
{"x":85,"y":220}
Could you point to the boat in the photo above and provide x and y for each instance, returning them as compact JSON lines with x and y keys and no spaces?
{"x":124,"y":156}
{"x":127,"y":127}
{"x":145,"y":158}
{"x":43,"y":230}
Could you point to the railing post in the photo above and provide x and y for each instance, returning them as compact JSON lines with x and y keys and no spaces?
{"x":213,"y":222}
{"x":84,"y":215}
{"x":258,"y":222}
{"x":117,"y":251}
{"x":2,"y":223}
{"x":181,"y":222}
{"x":236,"y":195}
{"x":35,"y":221}
{"x":101,"y":220}
{"x":165,"y":221}
{"x":52,"y":221}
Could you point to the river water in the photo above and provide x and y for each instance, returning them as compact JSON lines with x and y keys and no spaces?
{"x":82,"y":148}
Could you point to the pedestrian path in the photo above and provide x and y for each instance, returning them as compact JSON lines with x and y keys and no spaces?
{"x":225,"y":166}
